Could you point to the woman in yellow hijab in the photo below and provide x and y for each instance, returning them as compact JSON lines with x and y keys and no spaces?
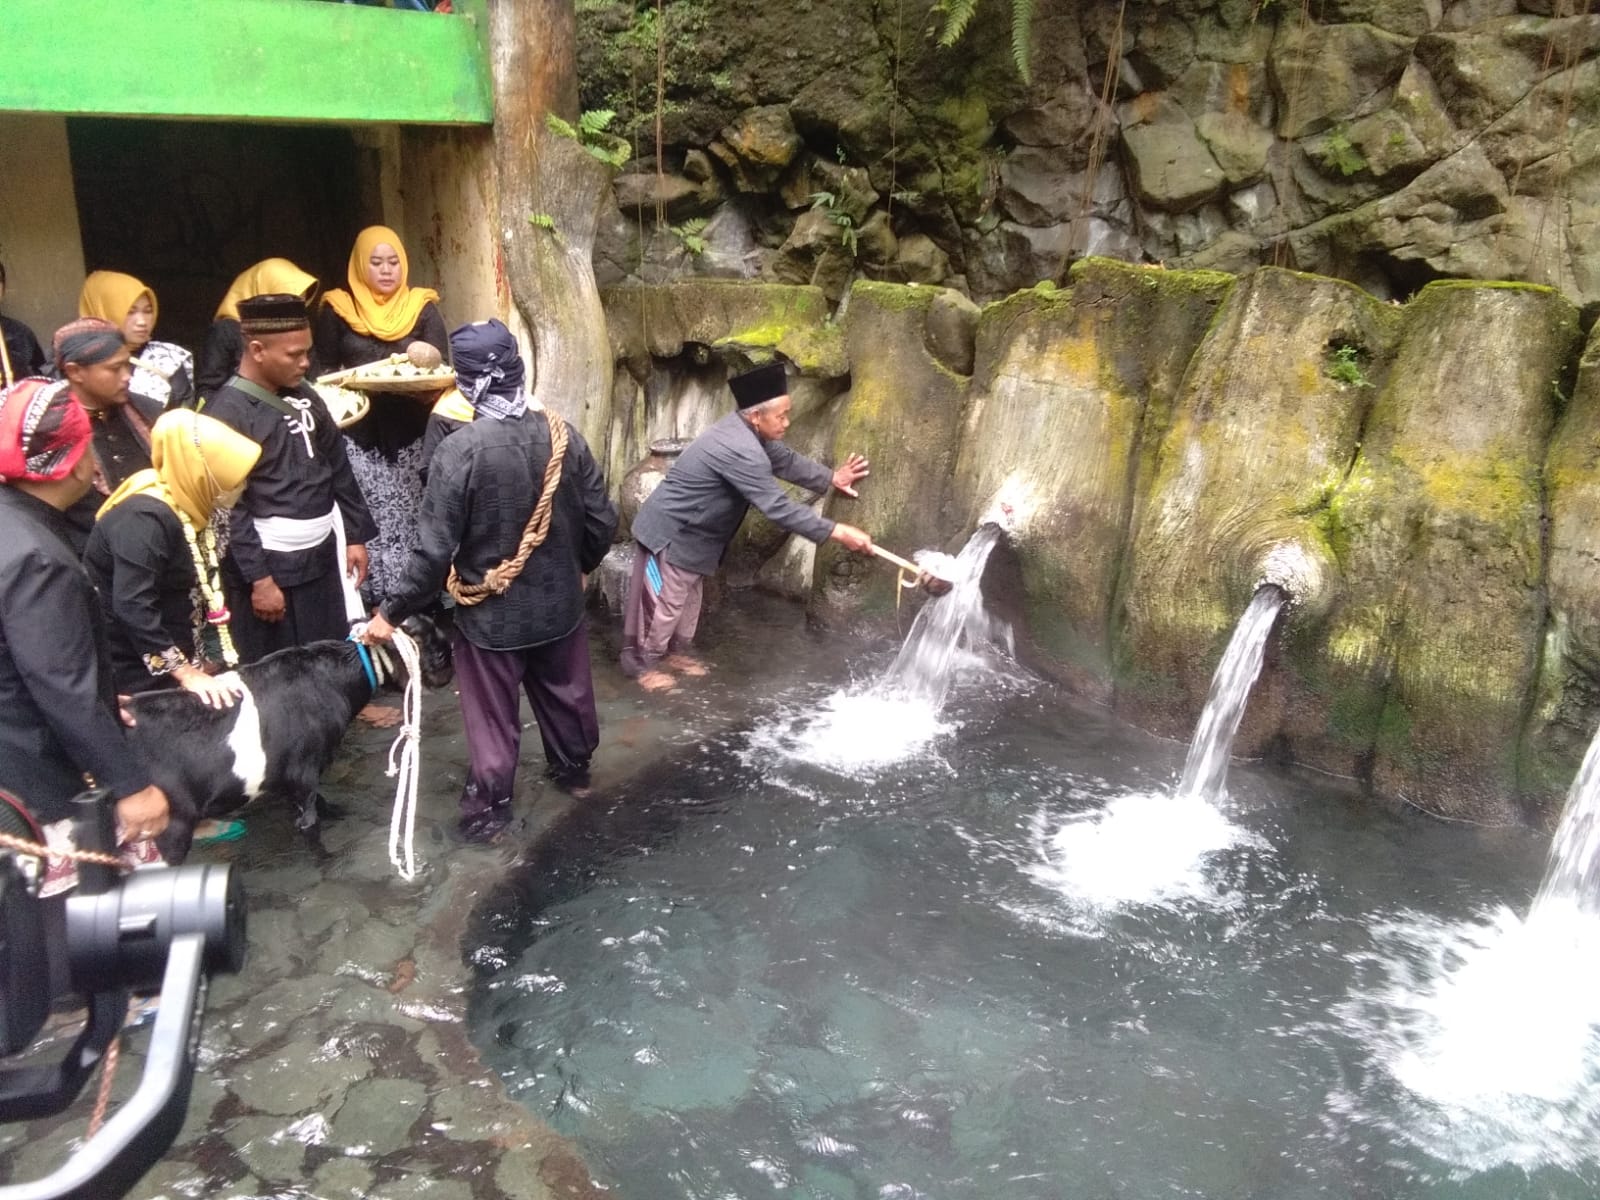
{"x":378,"y":315}
{"x":152,"y":557}
{"x":162,"y":371}
{"x":219,"y":357}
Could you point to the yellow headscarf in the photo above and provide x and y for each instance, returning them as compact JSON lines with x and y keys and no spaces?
{"x":269,"y":277}
{"x":194,"y":460}
{"x":111,"y":295}
{"x":387,"y":320}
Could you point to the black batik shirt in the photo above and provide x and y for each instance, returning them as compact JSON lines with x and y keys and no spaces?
{"x":483,"y":484}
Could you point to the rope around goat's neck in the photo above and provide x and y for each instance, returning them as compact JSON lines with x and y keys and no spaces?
{"x":498,"y":578}
{"x":404,"y":761}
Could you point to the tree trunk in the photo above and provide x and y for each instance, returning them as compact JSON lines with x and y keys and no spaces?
{"x":550,"y":271}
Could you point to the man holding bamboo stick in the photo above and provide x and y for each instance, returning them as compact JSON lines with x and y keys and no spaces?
{"x":684,"y":527}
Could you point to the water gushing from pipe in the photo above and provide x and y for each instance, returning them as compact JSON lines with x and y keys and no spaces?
{"x":947,"y":628}
{"x":1205,"y":771}
{"x":1572,"y":875}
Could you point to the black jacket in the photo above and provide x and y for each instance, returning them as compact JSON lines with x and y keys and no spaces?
{"x":395,"y":419}
{"x":58,"y":709}
{"x":143,"y":573}
{"x":483,"y":484}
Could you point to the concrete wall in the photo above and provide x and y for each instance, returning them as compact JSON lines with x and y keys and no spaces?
{"x":39,"y":238}
{"x":446,"y":197}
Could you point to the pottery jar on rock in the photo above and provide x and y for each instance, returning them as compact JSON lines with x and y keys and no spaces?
{"x":643,"y":478}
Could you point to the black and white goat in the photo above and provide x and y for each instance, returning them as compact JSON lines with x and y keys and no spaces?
{"x":280,"y":736}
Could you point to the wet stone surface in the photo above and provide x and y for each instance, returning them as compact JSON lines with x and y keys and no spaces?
{"x":337,"y":1063}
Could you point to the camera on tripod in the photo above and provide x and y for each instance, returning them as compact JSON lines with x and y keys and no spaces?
{"x":166,"y":927}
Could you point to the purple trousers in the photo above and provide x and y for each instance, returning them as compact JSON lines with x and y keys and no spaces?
{"x":556,"y":679}
{"x":661,"y":614}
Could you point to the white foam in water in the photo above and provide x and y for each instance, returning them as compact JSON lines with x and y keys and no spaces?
{"x":852,"y":733}
{"x":1492,"y":1030}
{"x":860,"y":732}
{"x":1141,"y":848}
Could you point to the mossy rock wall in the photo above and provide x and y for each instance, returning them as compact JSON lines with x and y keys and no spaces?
{"x":1261,"y":438}
{"x":1067,"y":385}
{"x":676,"y":344}
{"x":1567,"y":708}
{"x":904,"y":412}
{"x":1442,"y":514}
{"x":1168,"y":440}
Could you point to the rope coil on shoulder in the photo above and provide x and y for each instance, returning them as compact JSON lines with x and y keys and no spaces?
{"x":498,"y":579}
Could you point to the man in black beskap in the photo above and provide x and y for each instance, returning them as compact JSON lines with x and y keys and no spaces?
{"x":517,"y":629}
{"x":301,"y":528}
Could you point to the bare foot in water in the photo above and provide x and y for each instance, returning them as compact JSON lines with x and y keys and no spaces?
{"x":657,"y":681}
{"x":379,"y":716}
{"x":685,"y":663}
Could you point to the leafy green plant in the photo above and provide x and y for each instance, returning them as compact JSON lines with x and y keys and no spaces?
{"x":590,"y":133}
{"x":956,"y":15}
{"x":690,"y":235}
{"x":849,"y":236}
{"x":1339,"y":155}
{"x":1344,"y":366}
{"x":544,"y":221}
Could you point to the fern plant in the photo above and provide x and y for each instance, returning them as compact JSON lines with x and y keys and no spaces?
{"x":957,"y":15}
{"x":690,"y":235}
{"x":591,"y":133}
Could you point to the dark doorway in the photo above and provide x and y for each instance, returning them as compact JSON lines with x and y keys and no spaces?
{"x":186,"y":205}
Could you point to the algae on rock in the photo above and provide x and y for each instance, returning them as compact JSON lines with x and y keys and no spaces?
{"x":904,"y":413}
{"x":1262,"y":435}
{"x":1568,"y":704}
{"x":1067,"y":384}
{"x":1444,"y":573}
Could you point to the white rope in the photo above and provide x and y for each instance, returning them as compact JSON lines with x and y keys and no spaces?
{"x":405,"y":760}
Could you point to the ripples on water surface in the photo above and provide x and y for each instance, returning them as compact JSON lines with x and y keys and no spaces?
{"x":861,"y":952}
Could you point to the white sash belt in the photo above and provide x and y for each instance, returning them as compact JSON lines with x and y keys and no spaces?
{"x":287,"y":535}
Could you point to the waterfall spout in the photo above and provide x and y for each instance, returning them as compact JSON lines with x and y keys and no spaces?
{"x":1289,"y":567}
{"x":1572,"y":875}
{"x":947,"y":628}
{"x":1205,"y":771}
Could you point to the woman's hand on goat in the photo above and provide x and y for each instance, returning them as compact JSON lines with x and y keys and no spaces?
{"x":219,"y":691}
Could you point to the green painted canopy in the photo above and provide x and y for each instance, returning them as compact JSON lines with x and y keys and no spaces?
{"x":266,"y":60}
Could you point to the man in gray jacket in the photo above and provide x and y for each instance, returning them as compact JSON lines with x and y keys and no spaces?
{"x":685,"y":525}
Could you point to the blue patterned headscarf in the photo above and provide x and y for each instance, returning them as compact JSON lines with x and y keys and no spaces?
{"x":489,"y":369}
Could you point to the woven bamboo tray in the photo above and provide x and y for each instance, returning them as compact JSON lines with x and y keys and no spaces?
{"x":435,"y":381}
{"x":347,"y":407}
{"x":392,"y":374}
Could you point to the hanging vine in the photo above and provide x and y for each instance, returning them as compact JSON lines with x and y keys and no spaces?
{"x":1100,"y":139}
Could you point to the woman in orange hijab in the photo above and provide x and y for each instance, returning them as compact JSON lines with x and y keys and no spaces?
{"x":219,"y":357}
{"x":162,"y":371}
{"x":379,"y":315}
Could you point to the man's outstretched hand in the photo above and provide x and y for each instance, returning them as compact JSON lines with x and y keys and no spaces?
{"x":852,"y":538}
{"x":846,"y":475}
